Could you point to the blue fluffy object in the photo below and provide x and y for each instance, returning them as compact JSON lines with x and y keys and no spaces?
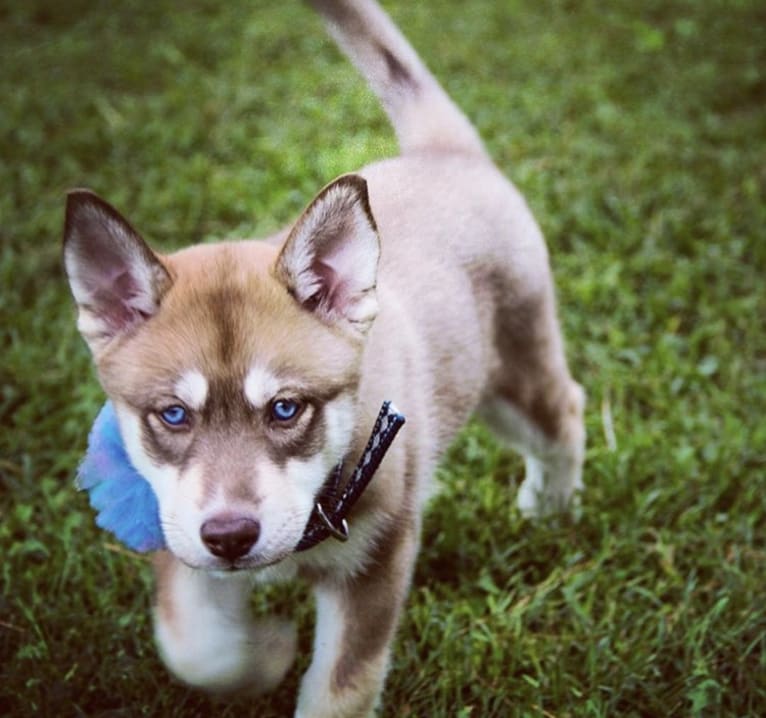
{"x":124,"y":499}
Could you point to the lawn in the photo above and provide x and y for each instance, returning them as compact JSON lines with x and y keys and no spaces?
{"x":637,"y":131}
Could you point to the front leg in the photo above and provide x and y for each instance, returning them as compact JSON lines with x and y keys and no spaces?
{"x":355,"y":625}
{"x":207,"y":636}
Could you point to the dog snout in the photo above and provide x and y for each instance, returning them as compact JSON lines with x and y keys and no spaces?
{"x":230,"y":537}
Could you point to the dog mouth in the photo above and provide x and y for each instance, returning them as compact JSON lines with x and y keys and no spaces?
{"x":253,"y":564}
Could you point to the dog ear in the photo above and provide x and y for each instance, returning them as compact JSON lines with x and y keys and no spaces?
{"x":116,"y":280}
{"x":329,"y":262}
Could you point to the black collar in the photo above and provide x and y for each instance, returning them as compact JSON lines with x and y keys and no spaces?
{"x":330,"y":511}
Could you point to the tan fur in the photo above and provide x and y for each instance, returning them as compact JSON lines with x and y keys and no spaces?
{"x":464,"y":320}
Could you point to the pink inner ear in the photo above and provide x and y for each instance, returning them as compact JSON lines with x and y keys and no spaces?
{"x":337,"y":271}
{"x":117,"y":299}
{"x":342,"y":257}
{"x":327,"y":279}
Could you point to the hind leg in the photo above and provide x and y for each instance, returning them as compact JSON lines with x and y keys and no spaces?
{"x":553,"y":464}
{"x":537,"y":408}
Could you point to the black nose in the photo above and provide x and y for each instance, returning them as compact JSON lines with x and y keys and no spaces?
{"x":230,"y":538}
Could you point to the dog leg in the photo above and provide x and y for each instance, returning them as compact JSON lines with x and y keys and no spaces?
{"x":553,"y":465}
{"x":356,"y":622}
{"x":537,"y":408}
{"x":207,"y":637}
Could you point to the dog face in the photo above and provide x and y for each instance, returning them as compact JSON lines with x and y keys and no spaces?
{"x":233,"y":367}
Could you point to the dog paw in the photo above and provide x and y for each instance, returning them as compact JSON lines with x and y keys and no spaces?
{"x":528,"y":501}
{"x":534,"y":503}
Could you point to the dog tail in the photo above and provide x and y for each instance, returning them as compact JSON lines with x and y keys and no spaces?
{"x":421,"y":112}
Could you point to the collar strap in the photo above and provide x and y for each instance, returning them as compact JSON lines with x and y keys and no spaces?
{"x":329,"y":517}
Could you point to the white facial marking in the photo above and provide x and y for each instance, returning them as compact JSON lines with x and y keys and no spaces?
{"x":162,"y":478}
{"x":177,"y":499}
{"x":260,"y":386}
{"x":192,"y":389}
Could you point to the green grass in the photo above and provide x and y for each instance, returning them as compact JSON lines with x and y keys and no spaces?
{"x":638,"y":133}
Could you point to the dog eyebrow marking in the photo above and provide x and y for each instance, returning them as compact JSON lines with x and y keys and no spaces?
{"x":192,"y":389}
{"x":260,"y":386}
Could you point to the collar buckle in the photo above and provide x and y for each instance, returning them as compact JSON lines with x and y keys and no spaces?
{"x":337,"y":533}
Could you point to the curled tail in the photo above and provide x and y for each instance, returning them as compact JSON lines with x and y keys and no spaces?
{"x":421,"y":112}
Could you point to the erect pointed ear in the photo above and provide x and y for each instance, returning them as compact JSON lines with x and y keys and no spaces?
{"x":329,"y":263}
{"x":116,"y":280}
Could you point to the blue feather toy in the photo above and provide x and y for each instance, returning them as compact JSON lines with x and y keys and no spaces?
{"x":124,"y":499}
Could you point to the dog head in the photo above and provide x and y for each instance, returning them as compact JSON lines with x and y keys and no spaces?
{"x":233,"y":367}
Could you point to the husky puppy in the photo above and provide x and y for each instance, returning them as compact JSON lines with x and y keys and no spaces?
{"x":243,"y":372}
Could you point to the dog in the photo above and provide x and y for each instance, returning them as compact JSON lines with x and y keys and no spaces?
{"x":242,"y":372}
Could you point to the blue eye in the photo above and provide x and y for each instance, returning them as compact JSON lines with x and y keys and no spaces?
{"x":285,"y":409}
{"x":174,"y":416}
